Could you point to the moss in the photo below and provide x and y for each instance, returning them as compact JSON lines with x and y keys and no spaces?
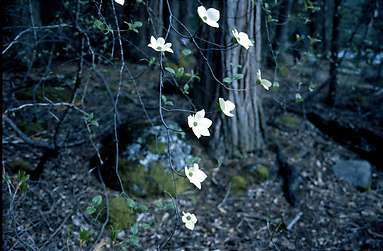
{"x":20,"y":164}
{"x":155,"y":146}
{"x":164,"y":181}
{"x":284,"y":71}
{"x":238,"y":184}
{"x":289,"y":120}
{"x":32,"y":127}
{"x":134,"y":178}
{"x":54,"y":93}
{"x":262,"y":172}
{"x":121,"y":216}
{"x":150,"y":183}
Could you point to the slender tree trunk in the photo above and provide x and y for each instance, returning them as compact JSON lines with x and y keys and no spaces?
{"x":324,"y":27}
{"x":282,"y":28}
{"x":242,"y":134}
{"x":334,"y":54}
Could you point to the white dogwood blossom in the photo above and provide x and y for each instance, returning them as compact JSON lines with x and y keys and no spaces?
{"x":189,"y":219}
{"x":264,"y":82}
{"x":209,"y":16}
{"x":160,"y":45}
{"x":226,"y":107}
{"x":120,"y":2}
{"x":195,"y":175}
{"x":199,"y":124}
{"x":242,"y":38}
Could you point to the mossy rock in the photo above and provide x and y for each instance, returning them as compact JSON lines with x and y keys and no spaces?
{"x":155,"y":146}
{"x":238,"y":184}
{"x":164,"y":180}
{"x":289,"y":121}
{"x":121,"y":216}
{"x":134,"y":178}
{"x":20,"y":164}
{"x":150,"y":183}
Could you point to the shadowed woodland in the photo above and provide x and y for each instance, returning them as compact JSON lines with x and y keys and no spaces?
{"x":259,"y":127}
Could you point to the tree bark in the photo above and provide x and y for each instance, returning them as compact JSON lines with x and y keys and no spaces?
{"x":241,"y":135}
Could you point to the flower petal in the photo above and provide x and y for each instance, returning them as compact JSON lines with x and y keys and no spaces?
{"x":204,"y":122}
{"x":203,"y":131}
{"x":153,"y":40}
{"x":212,"y":23}
{"x":169,"y":50}
{"x":197,"y":132}
{"x":120,"y":2}
{"x":160,"y":41}
{"x":200,"y":114}
{"x":187,"y":172}
{"x":221,"y":102}
{"x":229,"y":105}
{"x":196,"y":183}
{"x":266,"y":84}
{"x":212,"y":14}
{"x":201,"y":12}
{"x":189,"y":225}
{"x":190,"y":121}
{"x":200,"y":175}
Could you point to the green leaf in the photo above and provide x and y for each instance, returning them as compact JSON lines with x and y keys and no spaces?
{"x":228,"y":80}
{"x":171,"y":70}
{"x":97,"y":200}
{"x":180,"y":72}
{"x":134,"y":25}
{"x":134,"y":240}
{"x":238,"y":76}
{"x":84,"y":235}
{"x":90,"y":210}
{"x":152,"y":61}
{"x":186,"y":52}
{"x":186,"y":88}
{"x":131,"y":203}
{"x":134,"y":229}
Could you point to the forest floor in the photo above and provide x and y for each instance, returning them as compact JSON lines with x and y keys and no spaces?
{"x":329,"y":214}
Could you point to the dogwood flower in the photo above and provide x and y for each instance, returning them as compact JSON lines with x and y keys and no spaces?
{"x":264,"y":82}
{"x":209,"y":16}
{"x":195,"y":175}
{"x":199,"y":124}
{"x":189,"y":219}
{"x":242,"y":38}
{"x":159,"y":44}
{"x":120,"y":2}
{"x":226,"y":107}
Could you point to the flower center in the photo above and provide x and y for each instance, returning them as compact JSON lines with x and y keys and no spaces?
{"x":190,"y":174}
{"x":195,"y":123}
{"x":188,"y":218}
{"x":159,"y":48}
{"x":204,"y":18}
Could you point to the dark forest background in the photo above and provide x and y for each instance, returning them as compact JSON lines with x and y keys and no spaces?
{"x":95,"y":134}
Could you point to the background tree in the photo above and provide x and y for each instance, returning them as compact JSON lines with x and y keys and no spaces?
{"x":242,"y":134}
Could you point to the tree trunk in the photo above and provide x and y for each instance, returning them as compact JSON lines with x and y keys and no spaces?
{"x":282,"y":28}
{"x":324,"y":36}
{"x":241,"y":135}
{"x":334,"y":54}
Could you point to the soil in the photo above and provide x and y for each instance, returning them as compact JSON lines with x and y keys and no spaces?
{"x":329,"y":213}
